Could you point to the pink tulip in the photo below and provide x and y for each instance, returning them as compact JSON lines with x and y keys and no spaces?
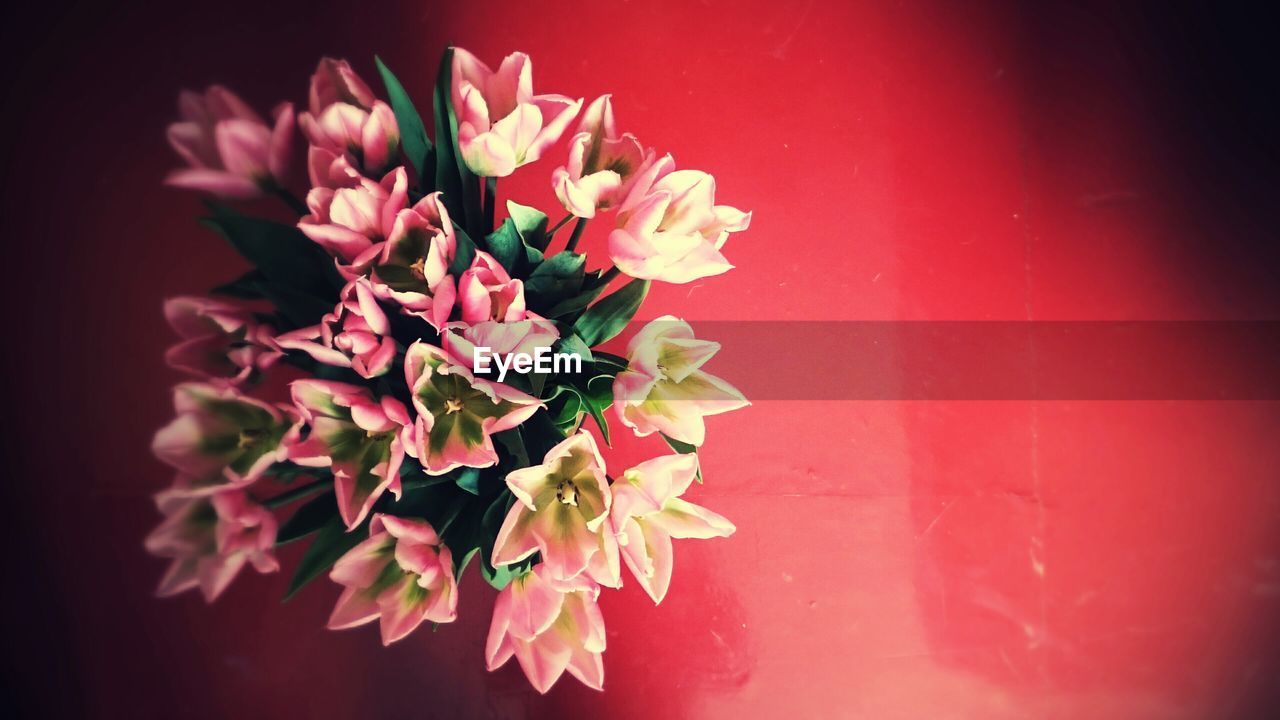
{"x":501,"y":338}
{"x":361,"y":439}
{"x":347,"y":137}
{"x":501,"y":123}
{"x":663,"y":389}
{"x":210,"y":533}
{"x":549,"y":626}
{"x":457,"y":412}
{"x":230,"y":150}
{"x":400,"y":576}
{"x":561,"y":512}
{"x":411,"y":268}
{"x":603,"y":165}
{"x":349,"y":221}
{"x":648,"y":512}
{"x":355,"y":335}
{"x":669,"y":227}
{"x":220,"y":341}
{"x":335,"y":82}
{"x":487,"y":292}
{"x":220,"y":434}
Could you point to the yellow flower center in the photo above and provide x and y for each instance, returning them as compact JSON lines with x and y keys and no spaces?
{"x":452,"y":405}
{"x":418,"y":268}
{"x":567,"y":493}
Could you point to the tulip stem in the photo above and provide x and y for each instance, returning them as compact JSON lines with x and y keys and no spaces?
{"x":297,"y":493}
{"x":577,"y":235}
{"x":490,"y":201}
{"x":609,"y":275}
{"x":563,"y":221}
{"x":291,"y":200}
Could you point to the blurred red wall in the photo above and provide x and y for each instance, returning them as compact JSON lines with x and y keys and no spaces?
{"x":904,"y":161}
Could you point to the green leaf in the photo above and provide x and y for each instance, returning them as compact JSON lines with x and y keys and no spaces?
{"x":299,"y":308}
{"x":245,"y":287}
{"x":598,"y":397}
{"x":308,"y":518}
{"x":558,"y":276}
{"x":683,"y":448}
{"x":490,"y":523}
{"x":606,"y":318}
{"x":540,"y":434}
{"x":465,"y":254}
{"x":461,"y":567}
{"x":281,"y":252}
{"x":565,"y":404}
{"x":514,"y":443}
{"x":608,"y":362}
{"x":332,"y":542}
{"x":413,"y":135}
{"x":572,"y":306}
{"x":500,"y":577}
{"x":597,"y":414}
{"x":505,"y":245}
{"x":573,"y":344}
{"x":532,"y":257}
{"x":497,"y":512}
{"x":537,"y":382}
{"x":530,"y":223}
{"x":453,"y":177}
{"x":469,"y":479}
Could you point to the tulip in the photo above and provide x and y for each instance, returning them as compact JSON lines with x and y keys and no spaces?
{"x":335,"y":82}
{"x":501,"y":338}
{"x":349,"y":139}
{"x":355,"y":335}
{"x":222,"y":435}
{"x":549,"y":626}
{"x":349,"y":221}
{"x":487,"y":292}
{"x":210,"y":534}
{"x":501,"y":123}
{"x":412,"y":267}
{"x":230,"y":150}
{"x":663,"y":389}
{"x":400,"y":576}
{"x":457,"y":412}
{"x":648,"y":512}
{"x":603,"y":165}
{"x":220,"y":341}
{"x":669,"y":227}
{"x":561,"y":512}
{"x":361,"y":439}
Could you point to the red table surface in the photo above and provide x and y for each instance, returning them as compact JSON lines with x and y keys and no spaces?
{"x":893,"y":559}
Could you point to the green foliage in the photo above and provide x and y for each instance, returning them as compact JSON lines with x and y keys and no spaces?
{"x":683,"y":448}
{"x":331,"y":542}
{"x":245,"y":287}
{"x":530,"y":223}
{"x":469,"y":479}
{"x":465,"y":254}
{"x":308,"y":518}
{"x":602,"y":321}
{"x":557,"y":277}
{"x":570,"y":308}
{"x":413,"y":135}
{"x":460,"y":186}
{"x":290,"y":270}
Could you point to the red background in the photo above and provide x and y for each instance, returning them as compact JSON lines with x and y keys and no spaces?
{"x":906,"y":161}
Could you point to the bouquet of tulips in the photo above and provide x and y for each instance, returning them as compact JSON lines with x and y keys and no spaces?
{"x":441,"y":358}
